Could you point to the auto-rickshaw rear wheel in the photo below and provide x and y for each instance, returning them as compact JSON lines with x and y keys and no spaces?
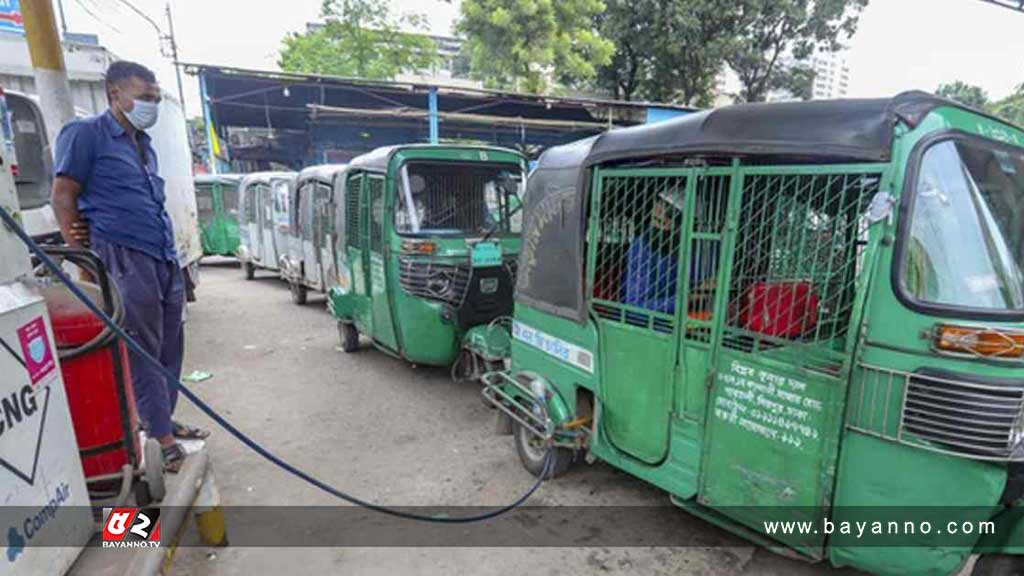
{"x":532,"y":451}
{"x":299,"y":293}
{"x":998,"y":565}
{"x":250,"y":270}
{"x":349,"y":335}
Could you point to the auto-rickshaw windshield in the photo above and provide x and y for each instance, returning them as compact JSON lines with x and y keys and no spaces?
{"x":965,"y":247}
{"x":459,"y":198}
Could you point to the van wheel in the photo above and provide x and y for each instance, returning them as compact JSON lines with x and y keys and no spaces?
{"x":250,"y":270}
{"x":998,"y":565}
{"x":532,"y":453}
{"x":349,"y":335}
{"x":299,"y":293}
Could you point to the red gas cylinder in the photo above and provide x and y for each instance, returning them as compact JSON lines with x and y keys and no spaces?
{"x":98,"y":384}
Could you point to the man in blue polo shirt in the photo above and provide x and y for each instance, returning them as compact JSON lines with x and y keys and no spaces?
{"x":107,"y":195}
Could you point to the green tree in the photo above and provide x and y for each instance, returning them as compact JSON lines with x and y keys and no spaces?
{"x":1011,"y":108}
{"x":969,"y":94}
{"x":519,"y":44}
{"x":796,"y":79}
{"x":666,"y":50}
{"x":360,"y":38}
{"x":768,"y":29}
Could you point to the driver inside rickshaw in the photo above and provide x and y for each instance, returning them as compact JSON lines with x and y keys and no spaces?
{"x":652,"y":262}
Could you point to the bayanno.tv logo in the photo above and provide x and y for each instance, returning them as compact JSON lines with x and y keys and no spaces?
{"x":131,"y":528}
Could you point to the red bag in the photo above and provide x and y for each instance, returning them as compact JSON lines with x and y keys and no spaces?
{"x":781,"y":309}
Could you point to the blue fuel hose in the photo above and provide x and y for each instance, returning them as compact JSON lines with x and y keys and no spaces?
{"x":242,"y":437}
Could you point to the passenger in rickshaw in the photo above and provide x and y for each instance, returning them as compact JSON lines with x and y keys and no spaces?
{"x":652,"y":261}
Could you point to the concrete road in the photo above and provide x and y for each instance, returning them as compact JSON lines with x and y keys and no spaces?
{"x":392,"y":434}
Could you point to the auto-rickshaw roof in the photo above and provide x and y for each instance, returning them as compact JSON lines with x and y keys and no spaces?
{"x":379,"y":159}
{"x":233,"y":179}
{"x":322,"y":172}
{"x":551,"y":263}
{"x":263,"y":177}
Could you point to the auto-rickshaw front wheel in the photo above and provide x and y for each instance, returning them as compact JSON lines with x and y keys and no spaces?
{"x":299,"y":293}
{"x":250,"y":270}
{"x":349,"y":336}
{"x":532,"y":451}
{"x":998,"y":565}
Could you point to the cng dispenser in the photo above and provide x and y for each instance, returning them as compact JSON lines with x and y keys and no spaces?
{"x":45,"y":518}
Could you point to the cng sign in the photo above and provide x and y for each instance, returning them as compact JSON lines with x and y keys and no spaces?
{"x":10,"y":17}
{"x":23,"y":408}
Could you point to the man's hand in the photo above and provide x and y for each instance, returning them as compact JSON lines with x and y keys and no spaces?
{"x":80,"y":232}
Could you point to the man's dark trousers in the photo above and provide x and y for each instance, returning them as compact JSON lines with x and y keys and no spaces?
{"x":153,"y":292}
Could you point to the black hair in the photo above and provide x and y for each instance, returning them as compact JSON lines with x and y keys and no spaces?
{"x":123,"y":70}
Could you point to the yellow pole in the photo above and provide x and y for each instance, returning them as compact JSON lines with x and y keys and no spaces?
{"x":48,"y":64}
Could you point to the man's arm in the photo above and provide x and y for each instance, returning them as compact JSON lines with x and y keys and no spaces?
{"x":73,"y":157}
{"x":64,"y":198}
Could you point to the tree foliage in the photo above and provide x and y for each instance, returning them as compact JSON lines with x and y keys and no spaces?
{"x":666,"y":50}
{"x":768,"y":29}
{"x":520,"y":44}
{"x":359,"y":38}
{"x":964,"y":93}
{"x":1011,"y":108}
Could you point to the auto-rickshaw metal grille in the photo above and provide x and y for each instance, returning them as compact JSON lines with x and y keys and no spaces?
{"x":797,"y":256}
{"x":639,"y":225}
{"x":204,"y":205}
{"x":434,"y":281}
{"x":352,"y":210}
{"x":940,"y":413}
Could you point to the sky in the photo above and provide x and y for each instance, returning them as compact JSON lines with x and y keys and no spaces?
{"x":899,"y":45}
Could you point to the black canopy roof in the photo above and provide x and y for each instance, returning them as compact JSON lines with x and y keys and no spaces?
{"x":829,"y":130}
{"x":855,"y":129}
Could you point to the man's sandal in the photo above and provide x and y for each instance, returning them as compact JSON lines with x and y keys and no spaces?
{"x":186,"y":432}
{"x":174,"y":457}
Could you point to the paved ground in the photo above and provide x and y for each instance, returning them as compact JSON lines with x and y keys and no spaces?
{"x":393,"y":434}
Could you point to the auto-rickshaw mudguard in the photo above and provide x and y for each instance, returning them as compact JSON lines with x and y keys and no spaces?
{"x":490,"y":341}
{"x":341,"y":304}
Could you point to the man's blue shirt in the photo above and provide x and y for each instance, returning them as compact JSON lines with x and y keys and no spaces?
{"x":122,"y":198}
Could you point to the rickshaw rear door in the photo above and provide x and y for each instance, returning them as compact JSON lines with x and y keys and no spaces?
{"x":782,"y":358}
{"x":377,"y":260}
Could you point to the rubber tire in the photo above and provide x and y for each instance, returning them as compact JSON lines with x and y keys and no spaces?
{"x":533,"y":462}
{"x":153,"y":469}
{"x":299,"y":293}
{"x":142,"y":495}
{"x":349,"y":336}
{"x":998,"y":565}
{"x":250,"y":270}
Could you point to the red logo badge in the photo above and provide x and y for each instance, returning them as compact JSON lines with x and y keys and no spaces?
{"x":131,"y":528}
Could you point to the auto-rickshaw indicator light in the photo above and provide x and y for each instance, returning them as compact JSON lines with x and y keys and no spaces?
{"x":986,"y":342}
{"x":418,"y":247}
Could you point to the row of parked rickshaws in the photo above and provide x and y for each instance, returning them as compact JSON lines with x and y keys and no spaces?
{"x":795,"y":312}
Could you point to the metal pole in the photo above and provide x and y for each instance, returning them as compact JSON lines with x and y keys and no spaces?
{"x":432,"y":114}
{"x":174,"y":57}
{"x":48,"y":65}
{"x":63,"y":18}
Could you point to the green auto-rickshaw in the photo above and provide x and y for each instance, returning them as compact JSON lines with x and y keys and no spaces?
{"x":428,"y":239}
{"x":217,"y":206}
{"x":806,"y":312}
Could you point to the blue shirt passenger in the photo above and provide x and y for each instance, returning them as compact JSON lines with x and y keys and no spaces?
{"x":122,"y":198}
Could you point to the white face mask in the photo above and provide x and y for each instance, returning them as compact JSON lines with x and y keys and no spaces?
{"x":144,"y":115}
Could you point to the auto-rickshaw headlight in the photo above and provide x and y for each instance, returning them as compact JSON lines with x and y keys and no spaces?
{"x":988,"y":342}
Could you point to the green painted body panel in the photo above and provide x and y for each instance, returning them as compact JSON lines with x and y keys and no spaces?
{"x":803,"y":428}
{"x":877,"y":473}
{"x":370,"y":293}
{"x":219,"y":233}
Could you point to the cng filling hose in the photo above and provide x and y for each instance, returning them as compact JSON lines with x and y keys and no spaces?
{"x":255,"y":446}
